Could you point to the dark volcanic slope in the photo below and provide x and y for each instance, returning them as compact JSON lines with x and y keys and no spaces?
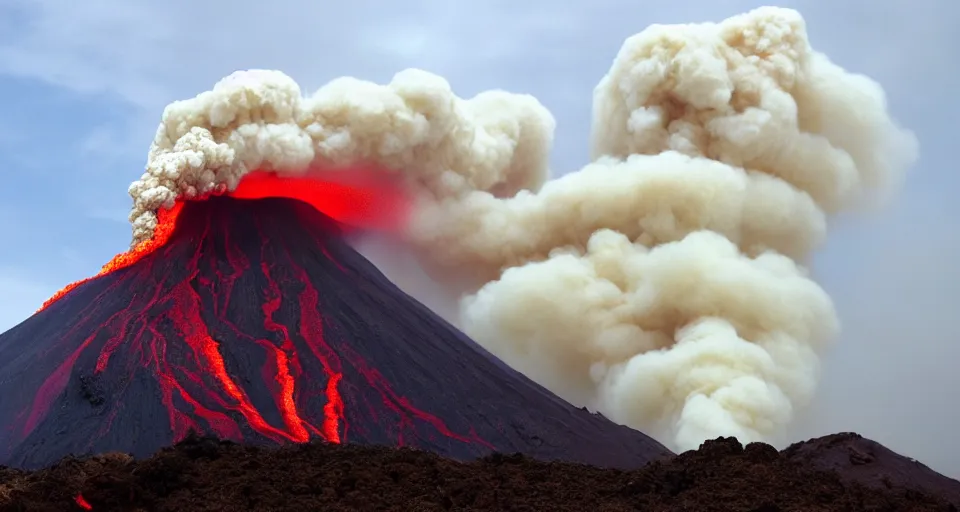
{"x":256,"y":322}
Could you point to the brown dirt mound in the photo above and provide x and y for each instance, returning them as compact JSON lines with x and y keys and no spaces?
{"x":872,"y":464}
{"x":202,"y":474}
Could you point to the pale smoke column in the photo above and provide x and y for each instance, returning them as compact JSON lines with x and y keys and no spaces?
{"x":664,"y":283}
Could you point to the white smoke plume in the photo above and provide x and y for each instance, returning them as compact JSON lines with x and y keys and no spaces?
{"x":258,"y":120}
{"x":664,"y":284}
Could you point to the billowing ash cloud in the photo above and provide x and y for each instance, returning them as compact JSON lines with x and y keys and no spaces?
{"x":258,"y":120}
{"x":663,"y":284}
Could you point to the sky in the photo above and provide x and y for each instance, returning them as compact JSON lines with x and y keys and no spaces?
{"x":83,"y":84}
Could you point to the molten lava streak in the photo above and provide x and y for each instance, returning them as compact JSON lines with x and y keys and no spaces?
{"x":167,"y":220}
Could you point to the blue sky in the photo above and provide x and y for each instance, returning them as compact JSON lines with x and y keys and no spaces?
{"x":83,"y":85}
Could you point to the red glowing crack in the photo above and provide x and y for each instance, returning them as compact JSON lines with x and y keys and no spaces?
{"x":82,"y":502}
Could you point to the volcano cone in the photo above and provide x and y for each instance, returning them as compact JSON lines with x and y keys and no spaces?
{"x":257,"y":322}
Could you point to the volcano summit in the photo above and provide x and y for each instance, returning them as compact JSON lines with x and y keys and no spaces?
{"x":256,"y":322}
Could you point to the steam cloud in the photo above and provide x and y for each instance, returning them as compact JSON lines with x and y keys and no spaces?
{"x":664,"y":284}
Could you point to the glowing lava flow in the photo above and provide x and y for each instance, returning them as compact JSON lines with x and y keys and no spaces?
{"x":360,"y":196}
{"x":182,"y":310}
{"x":167,"y":221}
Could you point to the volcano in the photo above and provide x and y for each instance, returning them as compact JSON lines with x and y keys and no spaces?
{"x":255,"y":321}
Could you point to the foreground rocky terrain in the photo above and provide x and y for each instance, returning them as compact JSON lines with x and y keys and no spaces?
{"x":838,"y":472}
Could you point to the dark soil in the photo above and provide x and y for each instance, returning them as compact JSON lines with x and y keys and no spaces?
{"x":203,"y":474}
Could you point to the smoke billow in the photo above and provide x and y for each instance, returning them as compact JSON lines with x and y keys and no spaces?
{"x":665,"y":283}
{"x":258,"y":120}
